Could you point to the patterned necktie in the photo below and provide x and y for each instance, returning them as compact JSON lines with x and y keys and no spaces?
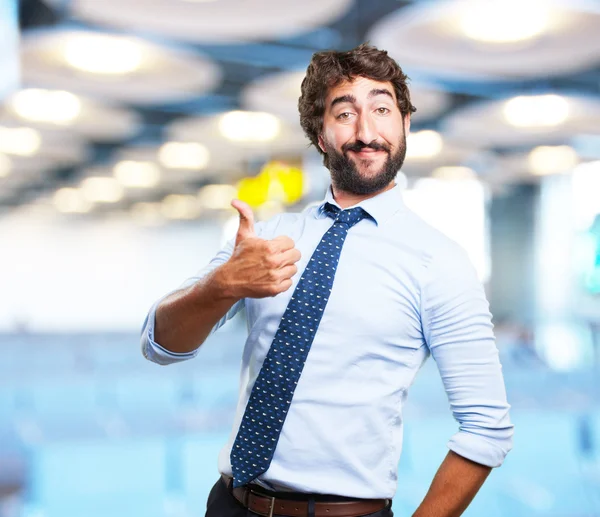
{"x":272,"y":393}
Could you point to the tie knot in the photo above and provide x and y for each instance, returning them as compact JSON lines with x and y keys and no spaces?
{"x":349,"y":217}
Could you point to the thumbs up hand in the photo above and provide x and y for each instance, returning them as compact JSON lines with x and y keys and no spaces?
{"x":258,"y":268}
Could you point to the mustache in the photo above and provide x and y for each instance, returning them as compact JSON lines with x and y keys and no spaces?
{"x":359,"y":146}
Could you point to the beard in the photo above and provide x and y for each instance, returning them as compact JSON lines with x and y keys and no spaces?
{"x":346,"y":177}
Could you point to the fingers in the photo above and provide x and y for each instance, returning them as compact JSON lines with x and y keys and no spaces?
{"x":283,"y":286}
{"x":282,"y":244}
{"x":246,"y":228}
{"x":290,"y":257}
{"x":288,"y":272}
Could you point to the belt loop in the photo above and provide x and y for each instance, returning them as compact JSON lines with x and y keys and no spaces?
{"x":272,"y":509}
{"x":311,"y":507}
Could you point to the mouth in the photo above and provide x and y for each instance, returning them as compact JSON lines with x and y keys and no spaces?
{"x":367,"y":153}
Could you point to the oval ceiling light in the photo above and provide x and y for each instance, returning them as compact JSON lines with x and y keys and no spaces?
{"x":130,"y":173}
{"x":22,"y":141}
{"x":453,"y":38}
{"x":523,"y":121}
{"x":226,"y":21}
{"x":101,"y":190}
{"x":544,"y":160}
{"x":38,"y":105}
{"x":497,"y":22}
{"x":5,"y":165}
{"x":536,"y":111}
{"x":62,"y":110}
{"x":249,"y":126}
{"x":71,"y":200}
{"x":102,"y":54}
{"x":184,"y":155}
{"x":423,"y":144}
{"x":118,"y":68}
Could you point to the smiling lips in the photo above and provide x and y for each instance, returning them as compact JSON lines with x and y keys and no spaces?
{"x":368,"y":153}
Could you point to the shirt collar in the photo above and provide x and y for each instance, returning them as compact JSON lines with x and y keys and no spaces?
{"x":380,"y":207}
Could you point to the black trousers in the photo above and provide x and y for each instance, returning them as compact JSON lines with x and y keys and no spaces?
{"x":221,"y":503}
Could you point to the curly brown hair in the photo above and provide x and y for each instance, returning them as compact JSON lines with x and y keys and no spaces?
{"x":328,"y":69}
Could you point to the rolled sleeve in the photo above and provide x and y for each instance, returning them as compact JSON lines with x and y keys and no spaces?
{"x":458,"y":329}
{"x":158,"y":354}
{"x":152,"y":350}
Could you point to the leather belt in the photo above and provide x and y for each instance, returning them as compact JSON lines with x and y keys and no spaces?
{"x":268,"y":506}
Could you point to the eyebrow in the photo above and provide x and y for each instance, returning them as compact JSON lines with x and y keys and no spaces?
{"x":380,"y":91}
{"x":343,"y":98}
{"x":352,"y":99}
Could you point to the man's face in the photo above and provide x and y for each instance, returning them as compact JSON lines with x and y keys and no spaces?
{"x":364,"y":135}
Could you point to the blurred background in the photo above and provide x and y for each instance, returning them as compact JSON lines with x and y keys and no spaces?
{"x":127,"y":126}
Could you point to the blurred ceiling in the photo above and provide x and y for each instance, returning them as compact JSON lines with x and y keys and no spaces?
{"x":164,"y":97}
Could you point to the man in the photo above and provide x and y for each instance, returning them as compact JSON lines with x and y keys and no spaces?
{"x":344,"y":301}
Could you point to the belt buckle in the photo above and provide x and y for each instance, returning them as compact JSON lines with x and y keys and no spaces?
{"x":272,"y":506}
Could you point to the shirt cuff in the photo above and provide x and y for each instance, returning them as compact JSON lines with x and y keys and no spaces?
{"x":480,"y":449}
{"x":153,"y":351}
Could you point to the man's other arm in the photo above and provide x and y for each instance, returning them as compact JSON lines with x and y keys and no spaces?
{"x":458,"y":329}
{"x":453,"y":488}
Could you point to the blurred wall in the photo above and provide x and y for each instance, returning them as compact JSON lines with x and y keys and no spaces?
{"x":512,"y":248}
{"x":89,"y":276}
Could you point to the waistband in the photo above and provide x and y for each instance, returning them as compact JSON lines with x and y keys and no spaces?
{"x":294,"y":504}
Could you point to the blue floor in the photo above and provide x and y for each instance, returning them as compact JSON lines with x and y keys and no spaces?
{"x":100,"y":431}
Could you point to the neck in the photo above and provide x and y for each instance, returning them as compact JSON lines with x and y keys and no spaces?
{"x":346,"y":199}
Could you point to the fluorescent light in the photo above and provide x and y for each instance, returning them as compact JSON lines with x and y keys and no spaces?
{"x":101,"y":190}
{"x":71,"y":200}
{"x":103,"y":54}
{"x":454,"y":173}
{"x":184,"y":155}
{"x":545,"y":160}
{"x":22,"y":141}
{"x":134,"y":174}
{"x":249,"y":126}
{"x":177,"y":206}
{"x":57,"y":107}
{"x":423,"y":144}
{"x":217,"y":196}
{"x":5,"y":165}
{"x":536,"y":111}
{"x":508,"y":21}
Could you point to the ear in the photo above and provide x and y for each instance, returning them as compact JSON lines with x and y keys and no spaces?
{"x":322,"y":144}
{"x":407,"y":124}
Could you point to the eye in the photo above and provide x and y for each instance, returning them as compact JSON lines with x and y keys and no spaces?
{"x":343,"y":116}
{"x":383,"y":111}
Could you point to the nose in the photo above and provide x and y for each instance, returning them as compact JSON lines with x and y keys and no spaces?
{"x":366,"y":130}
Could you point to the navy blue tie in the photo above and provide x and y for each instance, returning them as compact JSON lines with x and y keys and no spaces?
{"x":272,"y":393}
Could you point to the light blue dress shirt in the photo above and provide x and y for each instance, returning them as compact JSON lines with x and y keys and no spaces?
{"x":402,"y":291}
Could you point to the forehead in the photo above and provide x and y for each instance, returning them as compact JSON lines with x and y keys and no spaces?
{"x":360,"y":87}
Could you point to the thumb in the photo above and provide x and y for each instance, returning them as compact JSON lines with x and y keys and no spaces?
{"x":246,"y":228}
